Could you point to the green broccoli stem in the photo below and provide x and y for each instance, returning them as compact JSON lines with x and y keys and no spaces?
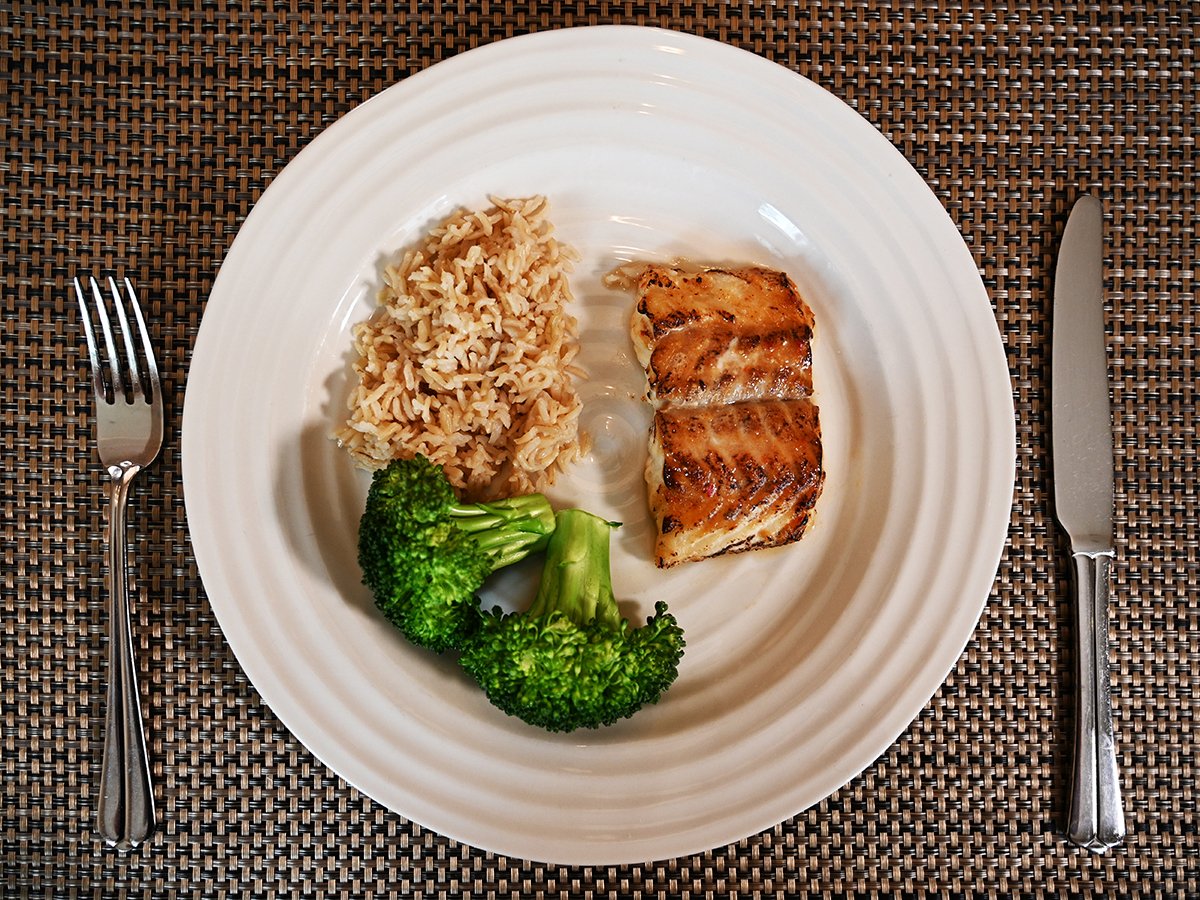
{"x":576,"y":577}
{"x":506,"y":530}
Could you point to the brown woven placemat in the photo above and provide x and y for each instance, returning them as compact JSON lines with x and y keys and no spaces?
{"x":139,"y":138}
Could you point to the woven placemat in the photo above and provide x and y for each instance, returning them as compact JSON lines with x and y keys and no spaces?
{"x":139,"y":138}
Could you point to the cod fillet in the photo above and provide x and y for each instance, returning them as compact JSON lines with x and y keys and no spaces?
{"x":715,"y":336}
{"x":725,"y":479}
{"x":735,"y":446}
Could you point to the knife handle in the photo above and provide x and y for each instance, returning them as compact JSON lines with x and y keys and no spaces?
{"x":1096,"y":820}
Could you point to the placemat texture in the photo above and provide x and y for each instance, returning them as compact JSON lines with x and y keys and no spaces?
{"x":138,"y":138}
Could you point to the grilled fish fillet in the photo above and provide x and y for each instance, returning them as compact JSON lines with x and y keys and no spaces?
{"x":713,"y":336}
{"x":724,"y":479}
{"x":735,"y":448}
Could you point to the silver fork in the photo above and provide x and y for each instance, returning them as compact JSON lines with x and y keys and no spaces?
{"x":128,"y":419}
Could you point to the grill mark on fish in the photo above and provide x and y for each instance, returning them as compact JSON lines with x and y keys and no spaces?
{"x":710,"y":365}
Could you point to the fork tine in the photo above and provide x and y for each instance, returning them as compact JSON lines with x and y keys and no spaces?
{"x":114,"y":364}
{"x":151,"y":363}
{"x":90,"y":335}
{"x":135,"y":376}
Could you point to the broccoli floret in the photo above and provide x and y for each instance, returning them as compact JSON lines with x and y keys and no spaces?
{"x":571,"y":660}
{"x":424,"y":553}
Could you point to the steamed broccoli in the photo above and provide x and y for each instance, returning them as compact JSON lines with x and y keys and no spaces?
{"x":424,"y":554}
{"x":571,"y":661}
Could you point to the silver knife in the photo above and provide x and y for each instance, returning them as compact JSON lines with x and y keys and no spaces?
{"x":1082,"y":444}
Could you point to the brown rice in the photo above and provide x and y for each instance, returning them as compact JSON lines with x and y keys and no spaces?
{"x":468,"y":359}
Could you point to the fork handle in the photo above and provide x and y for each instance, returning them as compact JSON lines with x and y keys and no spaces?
{"x":1095,"y":820}
{"x":126,"y":805}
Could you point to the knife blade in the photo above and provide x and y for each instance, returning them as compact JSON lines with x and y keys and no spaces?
{"x":1083,"y":465}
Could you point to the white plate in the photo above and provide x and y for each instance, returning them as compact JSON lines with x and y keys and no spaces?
{"x":803,"y":663}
